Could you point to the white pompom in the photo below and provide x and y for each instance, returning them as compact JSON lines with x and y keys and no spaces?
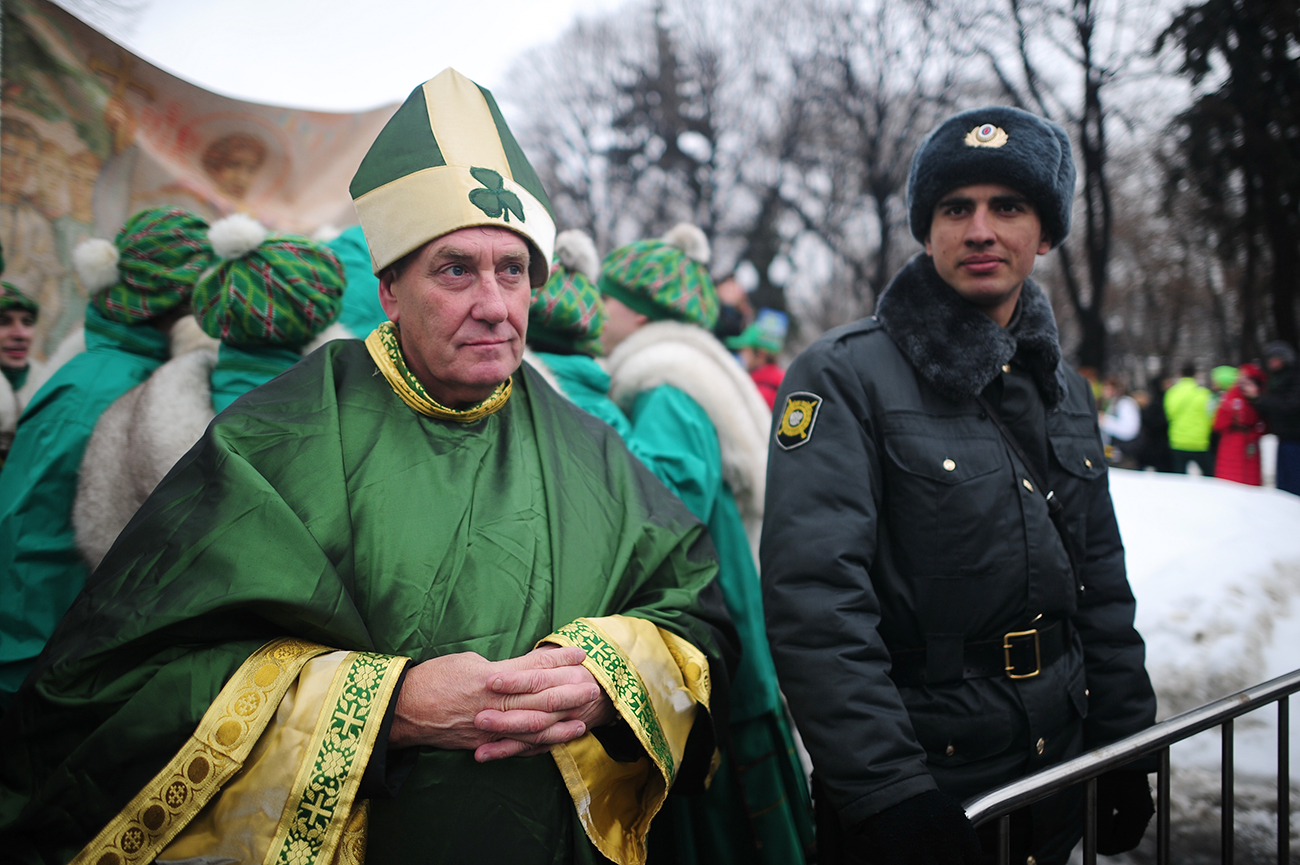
{"x":95,"y":261}
{"x":577,"y":251}
{"x":689,"y":239}
{"x":236,"y":235}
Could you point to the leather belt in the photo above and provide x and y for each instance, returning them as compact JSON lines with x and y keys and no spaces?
{"x":1016,"y":655}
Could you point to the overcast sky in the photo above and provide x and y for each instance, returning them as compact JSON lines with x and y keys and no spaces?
{"x":333,"y":55}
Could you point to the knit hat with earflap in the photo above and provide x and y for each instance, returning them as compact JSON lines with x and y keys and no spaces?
{"x":11,"y":298}
{"x":667,"y":278}
{"x":267,"y":289}
{"x":445,"y":161}
{"x":150,"y":267}
{"x":567,"y":313}
{"x":994,"y":145}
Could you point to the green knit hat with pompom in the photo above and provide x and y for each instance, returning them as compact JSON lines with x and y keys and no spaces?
{"x":268,"y":289}
{"x":567,"y":311}
{"x":667,"y":278}
{"x":150,"y":267}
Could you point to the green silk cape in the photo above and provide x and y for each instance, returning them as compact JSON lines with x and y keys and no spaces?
{"x":323,"y":508}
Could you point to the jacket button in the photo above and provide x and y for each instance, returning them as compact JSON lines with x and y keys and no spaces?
{"x":951,"y":750}
{"x":949,"y":465}
{"x":1027,"y":484}
{"x":1031,"y":861}
{"x":1040,"y":745}
{"x":1087,"y":462}
{"x":1006,"y":367}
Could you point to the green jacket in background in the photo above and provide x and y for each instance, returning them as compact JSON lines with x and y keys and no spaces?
{"x":239,"y":370}
{"x":674,"y":436}
{"x":362,"y":312}
{"x":586,"y":384}
{"x":1187,"y":405}
{"x":40,"y":569}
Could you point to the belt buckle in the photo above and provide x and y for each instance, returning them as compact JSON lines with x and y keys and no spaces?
{"x":1006,"y":654}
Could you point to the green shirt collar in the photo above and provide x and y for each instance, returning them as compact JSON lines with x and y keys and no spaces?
{"x":143,"y":339}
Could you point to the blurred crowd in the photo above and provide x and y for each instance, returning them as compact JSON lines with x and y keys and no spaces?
{"x":1179,"y":422}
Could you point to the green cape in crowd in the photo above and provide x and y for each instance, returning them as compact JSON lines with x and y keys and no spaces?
{"x":321,"y":507}
{"x":40,"y":568}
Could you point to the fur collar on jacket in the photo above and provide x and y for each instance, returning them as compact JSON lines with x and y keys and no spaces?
{"x":691,"y":359}
{"x":956,"y":348}
{"x":136,"y":442}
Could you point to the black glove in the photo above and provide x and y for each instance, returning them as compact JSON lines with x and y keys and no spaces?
{"x":1124,"y":809}
{"x":929,"y":829}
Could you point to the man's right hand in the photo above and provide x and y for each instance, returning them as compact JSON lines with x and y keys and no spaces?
{"x":929,"y":829}
{"x":545,"y":693}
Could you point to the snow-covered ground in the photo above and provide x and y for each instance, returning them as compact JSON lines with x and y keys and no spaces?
{"x":1215,"y":567}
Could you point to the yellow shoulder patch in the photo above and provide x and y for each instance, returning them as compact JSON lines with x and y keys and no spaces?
{"x":797,"y":420}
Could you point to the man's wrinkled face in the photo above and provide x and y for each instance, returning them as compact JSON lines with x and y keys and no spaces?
{"x":16,"y":327}
{"x":461,"y":306}
{"x":984,"y":239}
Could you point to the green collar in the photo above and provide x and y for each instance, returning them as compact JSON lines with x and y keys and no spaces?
{"x":143,"y":339}
{"x":17,"y":377}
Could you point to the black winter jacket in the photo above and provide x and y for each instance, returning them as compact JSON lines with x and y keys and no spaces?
{"x":1280,"y":404}
{"x":901,"y":520}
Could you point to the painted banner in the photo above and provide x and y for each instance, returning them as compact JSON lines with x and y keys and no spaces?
{"x":90,"y":134}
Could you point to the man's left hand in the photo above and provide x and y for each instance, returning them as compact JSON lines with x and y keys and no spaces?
{"x":530,"y":711}
{"x":1124,"y":809}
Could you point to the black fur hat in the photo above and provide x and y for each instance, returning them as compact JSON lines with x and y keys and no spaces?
{"x":994,"y":145}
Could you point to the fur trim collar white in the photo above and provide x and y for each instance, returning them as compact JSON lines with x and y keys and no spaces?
{"x":691,"y":359}
{"x":136,"y":442}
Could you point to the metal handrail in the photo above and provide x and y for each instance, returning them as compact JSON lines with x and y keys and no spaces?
{"x":1000,"y":802}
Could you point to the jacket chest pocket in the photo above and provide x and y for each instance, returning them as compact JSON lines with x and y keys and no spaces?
{"x":1080,"y":461}
{"x":946,"y":496}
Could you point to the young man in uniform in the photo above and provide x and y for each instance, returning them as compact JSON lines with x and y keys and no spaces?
{"x":943,"y":574}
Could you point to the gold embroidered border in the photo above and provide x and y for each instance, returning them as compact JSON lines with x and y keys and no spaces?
{"x":615,"y":673}
{"x":319,"y":810}
{"x":210,"y":758}
{"x":386,"y":351}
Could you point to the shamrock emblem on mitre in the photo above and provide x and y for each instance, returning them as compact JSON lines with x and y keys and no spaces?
{"x":494,"y":199}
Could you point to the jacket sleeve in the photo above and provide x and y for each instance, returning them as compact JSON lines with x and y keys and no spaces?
{"x":818,"y":548}
{"x":673,"y":436}
{"x":1121,"y":701}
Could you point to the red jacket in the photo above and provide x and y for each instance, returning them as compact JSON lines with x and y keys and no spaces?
{"x":768,"y":378}
{"x":1239,"y":427}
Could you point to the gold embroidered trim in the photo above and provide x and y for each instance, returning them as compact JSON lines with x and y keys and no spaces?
{"x":319,"y":813}
{"x":217,"y":750}
{"x":621,"y":681}
{"x":386,"y":350}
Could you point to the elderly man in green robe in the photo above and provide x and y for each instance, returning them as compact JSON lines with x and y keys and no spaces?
{"x":404,"y":601}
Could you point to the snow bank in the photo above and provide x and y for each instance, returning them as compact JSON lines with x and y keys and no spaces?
{"x":1215,"y":567}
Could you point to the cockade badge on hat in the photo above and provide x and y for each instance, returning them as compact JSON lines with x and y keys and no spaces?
{"x":986,"y":135}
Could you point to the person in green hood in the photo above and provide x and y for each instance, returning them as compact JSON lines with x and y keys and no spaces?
{"x":269,"y":299}
{"x":403,"y":601}
{"x":18,"y":314}
{"x":701,"y":425}
{"x":564,"y":325}
{"x":139,"y":288}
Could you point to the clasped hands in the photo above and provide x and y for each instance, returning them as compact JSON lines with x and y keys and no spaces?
{"x":513,"y":708}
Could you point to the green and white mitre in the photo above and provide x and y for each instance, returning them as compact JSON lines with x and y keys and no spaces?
{"x":445,"y":161}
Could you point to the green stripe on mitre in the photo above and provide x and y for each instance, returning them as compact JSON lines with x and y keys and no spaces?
{"x":405,"y":145}
{"x":567,"y":311}
{"x":520,"y":167}
{"x":12,"y":298}
{"x":661,"y":282}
